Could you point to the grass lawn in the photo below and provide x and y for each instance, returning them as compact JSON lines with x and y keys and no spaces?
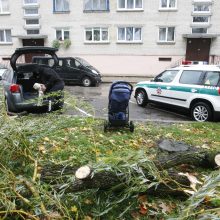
{"x":29,"y":143}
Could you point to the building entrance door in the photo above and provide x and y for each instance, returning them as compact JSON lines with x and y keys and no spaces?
{"x":32,"y":42}
{"x":198,"y":49}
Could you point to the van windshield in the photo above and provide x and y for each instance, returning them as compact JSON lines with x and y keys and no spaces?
{"x":82,"y":61}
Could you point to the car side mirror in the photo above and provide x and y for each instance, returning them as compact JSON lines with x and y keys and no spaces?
{"x":0,"y":77}
{"x":152,"y":80}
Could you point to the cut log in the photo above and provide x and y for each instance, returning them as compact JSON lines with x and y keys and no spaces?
{"x":199,"y":158}
{"x":217,"y":160}
{"x":83,"y":173}
{"x":172,"y":185}
{"x":173,"y":146}
{"x":104,"y":180}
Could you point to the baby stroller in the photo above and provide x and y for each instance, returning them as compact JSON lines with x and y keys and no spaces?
{"x":118,"y":106}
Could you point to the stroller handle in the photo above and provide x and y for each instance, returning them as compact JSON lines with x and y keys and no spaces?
{"x":122,"y":82}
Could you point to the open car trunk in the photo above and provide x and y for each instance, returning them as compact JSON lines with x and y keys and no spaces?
{"x":26,"y":78}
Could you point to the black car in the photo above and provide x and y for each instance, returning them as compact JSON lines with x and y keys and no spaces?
{"x":72,"y":70}
{"x":18,"y":83}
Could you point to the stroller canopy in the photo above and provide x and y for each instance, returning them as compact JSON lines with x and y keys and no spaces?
{"x":120,"y":93}
{"x":119,"y":98}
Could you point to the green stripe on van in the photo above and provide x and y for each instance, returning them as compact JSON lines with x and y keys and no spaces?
{"x":209,"y":90}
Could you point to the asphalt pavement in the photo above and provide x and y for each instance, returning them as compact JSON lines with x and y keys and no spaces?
{"x":97,"y":98}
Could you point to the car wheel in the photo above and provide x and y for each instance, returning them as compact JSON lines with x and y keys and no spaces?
{"x":86,"y":81}
{"x":141,"y":98}
{"x":97,"y":84}
{"x":201,"y":112}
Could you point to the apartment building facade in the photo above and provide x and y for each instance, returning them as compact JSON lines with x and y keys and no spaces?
{"x":119,"y":37}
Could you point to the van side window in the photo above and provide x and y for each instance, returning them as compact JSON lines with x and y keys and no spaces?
{"x":212,"y":78}
{"x":191,"y":77}
{"x":51,"y":62}
{"x":70,"y":63}
{"x":60,"y":62}
{"x":77,"y":63}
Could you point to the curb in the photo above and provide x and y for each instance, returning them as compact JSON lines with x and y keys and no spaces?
{"x":132,"y":79}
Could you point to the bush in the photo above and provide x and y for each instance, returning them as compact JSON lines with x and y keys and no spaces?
{"x":67,"y":43}
{"x":56,"y":44}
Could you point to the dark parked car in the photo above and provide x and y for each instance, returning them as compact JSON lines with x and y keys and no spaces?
{"x":73,"y":70}
{"x":19,"y":80}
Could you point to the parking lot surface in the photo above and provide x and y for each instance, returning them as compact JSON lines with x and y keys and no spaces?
{"x":97,"y":97}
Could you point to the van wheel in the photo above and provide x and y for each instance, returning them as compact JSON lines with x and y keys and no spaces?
{"x":97,"y":84}
{"x":201,"y":112}
{"x":86,"y":81}
{"x":141,"y":98}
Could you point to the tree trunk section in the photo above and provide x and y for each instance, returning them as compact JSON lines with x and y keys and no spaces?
{"x":173,"y":185}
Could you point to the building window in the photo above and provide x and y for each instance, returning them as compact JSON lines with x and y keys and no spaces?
{"x":166,"y":34}
{"x":201,"y":8}
{"x":33,"y":31}
{"x":30,"y":2}
{"x":200,"y":19}
{"x":4,"y":6}
{"x":32,"y":21}
{"x":165,"y":59}
{"x":96,"y":34}
{"x":31,"y":11}
{"x":96,"y":5}
{"x":61,"y":5}
{"x":5,"y":36}
{"x":168,"y":4}
{"x":199,"y":30}
{"x":130,"y":4}
{"x":62,"y":34}
{"x":129,"y":34}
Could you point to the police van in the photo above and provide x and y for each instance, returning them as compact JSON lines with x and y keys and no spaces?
{"x":195,"y":88}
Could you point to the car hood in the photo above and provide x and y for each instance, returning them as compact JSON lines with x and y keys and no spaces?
{"x":35,"y":50}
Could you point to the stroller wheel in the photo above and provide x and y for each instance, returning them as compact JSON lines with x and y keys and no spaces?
{"x":131,"y":126}
{"x":105,"y":126}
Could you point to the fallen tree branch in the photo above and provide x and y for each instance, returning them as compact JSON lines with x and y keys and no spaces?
{"x":173,"y":183}
{"x":200,"y":158}
{"x":21,"y":213}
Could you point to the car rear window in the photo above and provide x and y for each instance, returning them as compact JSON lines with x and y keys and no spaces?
{"x":44,"y":61}
{"x":191,"y":77}
{"x":212,"y":78}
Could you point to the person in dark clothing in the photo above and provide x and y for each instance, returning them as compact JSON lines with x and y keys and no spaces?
{"x":51,"y":84}
{"x":50,"y":79}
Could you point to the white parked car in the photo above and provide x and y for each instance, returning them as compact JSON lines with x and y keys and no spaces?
{"x":2,"y":71}
{"x":193,"y":87}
